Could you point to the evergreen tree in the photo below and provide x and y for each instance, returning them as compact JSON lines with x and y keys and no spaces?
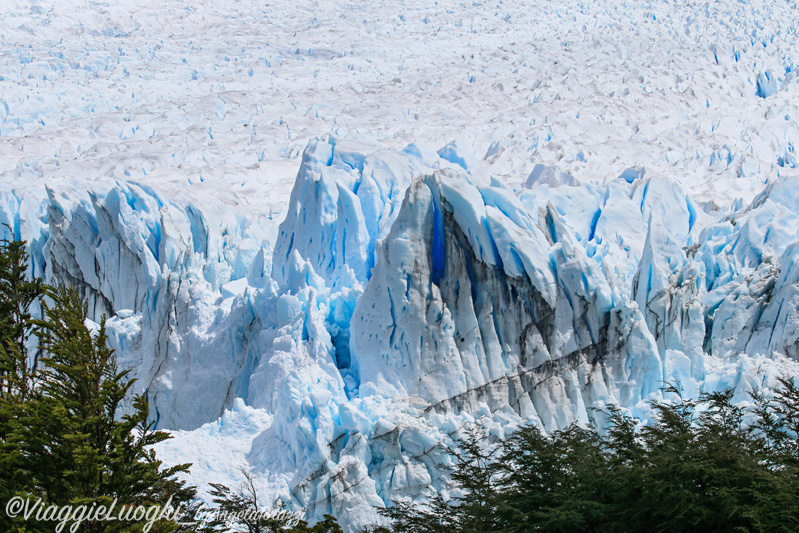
{"x":555,"y":483}
{"x":17,"y":296}
{"x":328,"y":524}
{"x":695,"y":472}
{"x":17,"y":377}
{"x":475,"y":510}
{"x":777,"y":428}
{"x":695,"y":468}
{"x":76,"y":447}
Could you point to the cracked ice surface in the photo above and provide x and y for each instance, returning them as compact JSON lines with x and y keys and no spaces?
{"x":212,"y":95}
{"x":506,"y":212}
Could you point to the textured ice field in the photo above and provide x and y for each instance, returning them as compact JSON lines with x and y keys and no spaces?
{"x":148,"y":151}
{"x":224,"y":95}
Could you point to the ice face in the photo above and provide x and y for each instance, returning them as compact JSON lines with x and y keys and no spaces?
{"x":406,"y":294}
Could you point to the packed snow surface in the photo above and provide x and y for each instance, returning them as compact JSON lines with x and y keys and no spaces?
{"x":329,"y":235}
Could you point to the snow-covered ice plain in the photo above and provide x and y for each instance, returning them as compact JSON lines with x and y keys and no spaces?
{"x":328,"y":235}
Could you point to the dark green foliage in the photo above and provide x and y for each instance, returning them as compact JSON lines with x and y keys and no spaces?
{"x":696,"y":472}
{"x":328,"y":524}
{"x":696,"y":468}
{"x":17,"y":376}
{"x":556,"y":483}
{"x":17,"y":295}
{"x":62,"y":436}
{"x":76,"y":448}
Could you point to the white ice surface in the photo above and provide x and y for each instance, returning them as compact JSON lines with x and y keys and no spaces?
{"x":222,"y":96}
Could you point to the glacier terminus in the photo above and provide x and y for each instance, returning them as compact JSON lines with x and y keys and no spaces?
{"x":327,"y":238}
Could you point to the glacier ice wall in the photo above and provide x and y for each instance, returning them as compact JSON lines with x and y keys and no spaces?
{"x":406,"y":294}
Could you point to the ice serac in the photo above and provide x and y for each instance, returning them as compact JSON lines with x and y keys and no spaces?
{"x":488,"y":305}
{"x":669,"y":218}
{"x":171,"y":278}
{"x":345,"y":198}
{"x":752,"y":281}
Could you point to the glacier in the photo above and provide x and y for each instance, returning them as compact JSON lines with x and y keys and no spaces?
{"x":328,"y":236}
{"x":407,"y":294}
